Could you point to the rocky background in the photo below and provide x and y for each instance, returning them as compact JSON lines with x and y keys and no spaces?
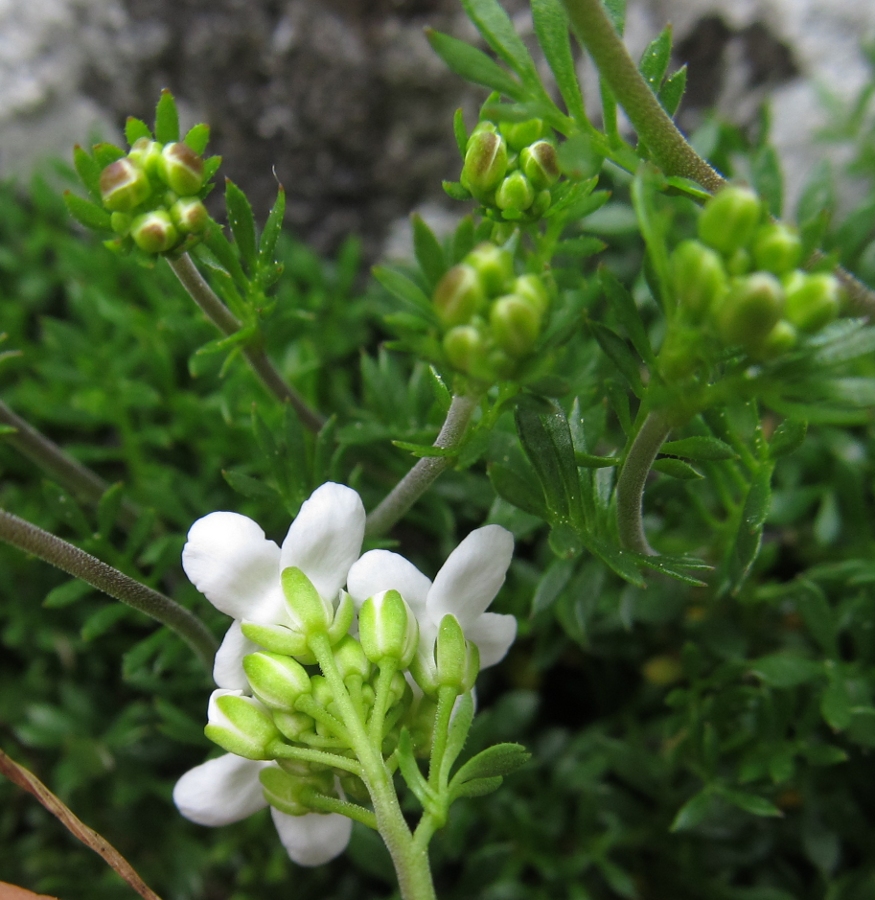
{"x":344,"y":102}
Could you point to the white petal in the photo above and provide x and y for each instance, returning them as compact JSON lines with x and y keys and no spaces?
{"x":312,"y":839}
{"x":220,"y":791}
{"x":493,"y":634}
{"x":228,"y":667}
{"x":326,"y":537}
{"x":229,"y":560}
{"x":382,"y":570}
{"x":472,"y":575}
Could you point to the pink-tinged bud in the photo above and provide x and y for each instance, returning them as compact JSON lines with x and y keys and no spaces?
{"x":812,"y":300}
{"x":540,"y":164}
{"x":465,"y":347}
{"x":189,"y":215}
{"x":729,"y":219}
{"x":182,"y":170}
{"x":515,"y":193}
{"x":493,"y":265}
{"x":458,"y":295}
{"x":750,"y":310}
{"x":531,"y":289}
{"x":777,"y":248}
{"x":522,"y":134}
{"x":485,"y":163}
{"x":515,"y":325}
{"x":154,"y":232}
{"x":698,"y":277}
{"x":123,"y":186}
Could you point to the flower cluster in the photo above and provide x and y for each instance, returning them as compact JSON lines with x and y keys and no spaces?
{"x":740,"y":282}
{"x":491,"y":318}
{"x":395,"y":638}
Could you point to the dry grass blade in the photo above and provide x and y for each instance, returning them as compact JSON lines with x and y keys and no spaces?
{"x":24,"y":779}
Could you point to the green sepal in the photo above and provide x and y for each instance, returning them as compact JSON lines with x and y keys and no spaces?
{"x":197,"y":137}
{"x":655,"y":59}
{"x":166,"y":119}
{"x":242,"y":223}
{"x":135,"y":129}
{"x":88,"y":170}
{"x":709,"y":448}
{"x":272,"y":229}
{"x":87,"y":213}
{"x":676,"y":469}
{"x":474,"y":65}
{"x":551,"y":27}
{"x":672,"y":91}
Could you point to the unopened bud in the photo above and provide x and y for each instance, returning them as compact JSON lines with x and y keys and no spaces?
{"x":388,"y":629}
{"x":458,"y":295}
{"x":521,"y":134}
{"x":121,"y":223}
{"x":493,"y":265}
{"x":543,"y":199}
{"x":147,"y":155}
{"x":750,"y":310}
{"x":729,"y":219}
{"x":540,"y":164}
{"x":531,"y":289}
{"x":293,"y":725}
{"x":777,"y":248}
{"x":457,"y":661}
{"x":154,"y":232}
{"x":515,"y":193}
{"x":240,"y":724}
{"x":189,"y":215}
{"x":812,"y":300}
{"x":286,"y":792}
{"x":698,"y":276}
{"x":515,"y":325}
{"x":309,"y":611}
{"x":182,"y":170}
{"x":123,"y":186}
{"x":464,"y":346}
{"x":777,"y":342}
{"x":485,"y":163}
{"x":277,"y":681}
{"x":350,"y":658}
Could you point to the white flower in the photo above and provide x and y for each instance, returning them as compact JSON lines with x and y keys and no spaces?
{"x":227,"y":789}
{"x":465,"y":586}
{"x":231,"y":562}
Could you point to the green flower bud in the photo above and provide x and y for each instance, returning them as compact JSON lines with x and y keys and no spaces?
{"x":351,"y":659}
{"x":485,"y":163}
{"x":481,"y":127}
{"x":729,"y":219}
{"x":279,"y":639}
{"x":154,"y":232}
{"x":189,"y":215}
{"x":679,"y":355}
{"x":521,"y":134}
{"x":543,"y":199}
{"x":147,"y":155}
{"x":698,"y":277}
{"x":420,"y":719}
{"x":531,"y":289}
{"x":354,"y":788}
{"x":277,"y":681}
{"x":121,"y":223}
{"x":739,"y":262}
{"x":309,"y":611}
{"x":540,"y":164}
{"x":293,"y":725}
{"x":812,"y":300}
{"x":515,"y":324}
{"x":515,"y":193}
{"x":123,"y":186}
{"x":777,"y":342}
{"x":464,"y":346}
{"x":458,"y":295}
{"x":181,"y":169}
{"x":240,"y":725}
{"x":750,"y":310}
{"x":493,"y":265}
{"x":322,"y":693}
{"x":388,"y":629}
{"x":457,"y":661}
{"x":287,"y":792}
{"x":777,"y":248}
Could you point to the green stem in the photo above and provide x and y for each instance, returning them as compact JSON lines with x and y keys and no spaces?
{"x":436,"y":775}
{"x":388,"y":668}
{"x":82,"y":565}
{"x":630,"y":485}
{"x":417,"y":481}
{"x":60,"y":466}
{"x":282,"y":750}
{"x":222,"y":317}
{"x":306,"y":704}
{"x":327,"y":804}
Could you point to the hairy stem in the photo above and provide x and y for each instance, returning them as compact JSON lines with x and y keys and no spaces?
{"x":222,"y":317}
{"x":630,"y":485}
{"x":420,"y":478}
{"x":60,"y":466}
{"x":82,"y":565}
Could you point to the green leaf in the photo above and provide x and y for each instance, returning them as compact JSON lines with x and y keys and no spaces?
{"x":166,"y":119}
{"x":818,"y":197}
{"x":552,"y":584}
{"x":100,"y":622}
{"x":88,"y":170}
{"x":672,"y":91}
{"x":818,"y":616}
{"x":709,"y":448}
{"x":862,"y":728}
{"x":616,"y":10}
{"x":474,"y":65}
{"x":752,"y":803}
{"x":517,"y":490}
{"x":580,"y":247}
{"x":628,"y":315}
{"x":87,"y":213}
{"x":588,"y":461}
{"x":108,"y":508}
{"x":429,"y":253}
{"x":654,"y":61}
{"x":460,"y":132}
{"x":748,"y":535}
{"x":403,"y":288}
{"x":242,"y":224}
{"x":653,"y":227}
{"x":835,"y":705}
{"x":768,"y":179}
{"x":426,"y":450}
{"x":272,"y":230}
{"x":197,"y":138}
{"x":787,"y":437}
{"x":694,"y":811}
{"x":785,"y":670}
{"x":104,"y":154}
{"x":442,"y":394}
{"x":551,"y":28}
{"x":246,"y":485}
{"x":455,"y":191}
{"x":498,"y":31}
{"x":477,"y":787}
{"x":67,"y":593}
{"x":135,"y":130}
{"x":616,"y":349}
{"x":677,"y":469}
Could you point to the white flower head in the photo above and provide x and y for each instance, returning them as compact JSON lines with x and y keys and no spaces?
{"x":464,"y":587}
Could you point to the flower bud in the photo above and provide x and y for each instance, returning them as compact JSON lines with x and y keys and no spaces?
{"x":543,"y":199}
{"x":457,"y":661}
{"x":750,"y":310}
{"x":739,"y":262}
{"x":698,"y":277}
{"x":812,"y":300}
{"x":277,"y":681}
{"x":729,"y":218}
{"x":279,"y":639}
{"x":123,"y":186}
{"x":540,"y":164}
{"x":350,"y":658}
{"x":388,"y":629}
{"x":679,"y":356}
{"x":181,"y":169}
{"x":777,"y":342}
{"x":485,"y":163}
{"x":240,"y":724}
{"x":309,"y":611}
{"x":458,"y":295}
{"x":531,"y":289}
{"x":493,"y":265}
{"x":515,"y":193}
{"x":154,"y":232}
{"x":521,"y":134}
{"x":293,"y":725}
{"x":777,"y":248}
{"x":189,"y":215}
{"x":464,"y":346}
{"x":286,"y":792}
{"x":147,"y":155}
{"x":121,"y":223}
{"x":322,"y":692}
{"x":515,"y":325}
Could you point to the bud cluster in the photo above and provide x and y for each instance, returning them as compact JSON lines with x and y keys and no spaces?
{"x":511,"y":168}
{"x":740,"y":282}
{"x":491,"y":318}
